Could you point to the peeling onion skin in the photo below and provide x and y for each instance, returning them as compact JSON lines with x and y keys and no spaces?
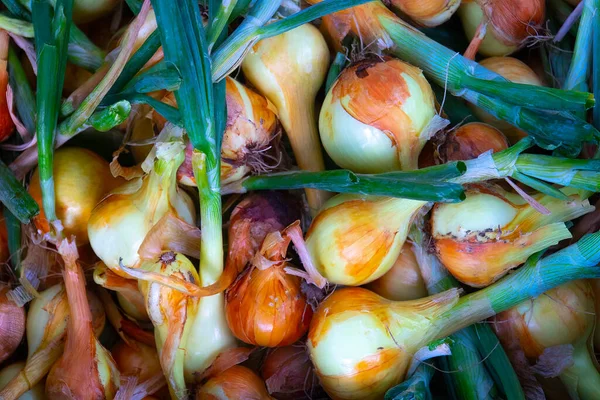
{"x":288,"y":373}
{"x":236,"y":383}
{"x":10,"y":371}
{"x":471,"y":140}
{"x":12,"y":324}
{"x":374,"y":117}
{"x":428,"y":13}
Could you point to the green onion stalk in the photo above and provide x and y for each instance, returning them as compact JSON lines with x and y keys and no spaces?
{"x":14,"y":196}
{"x":596,"y":64}
{"x":416,"y":387}
{"x":24,"y":97}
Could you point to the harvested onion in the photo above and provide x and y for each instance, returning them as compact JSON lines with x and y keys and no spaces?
{"x":234,"y":384}
{"x":470,"y":141}
{"x":288,"y":373}
{"x":128,"y":295}
{"x":429,"y":12}
{"x":378,"y":116}
{"x":10,"y":371}
{"x":81,"y":179}
{"x":136,"y":359}
{"x":12,"y":324}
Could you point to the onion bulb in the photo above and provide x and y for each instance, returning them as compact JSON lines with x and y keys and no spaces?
{"x":250,"y":134}
{"x":377,"y":116}
{"x":84,"y":358}
{"x":403,"y":281}
{"x":508,"y":23}
{"x":561,"y":316}
{"x":265,"y":306}
{"x":4,"y":252}
{"x":356,"y":239}
{"x":119,"y":223}
{"x":288,"y":373}
{"x":128,"y":295}
{"x":10,"y":371}
{"x":235,"y":383}
{"x":289,"y":69}
{"x":429,"y":12}
{"x":470,"y":141}
{"x":480,"y":239}
{"x":12,"y":324}
{"x":136,"y":359}
{"x":90,"y":10}
{"x":81,"y":179}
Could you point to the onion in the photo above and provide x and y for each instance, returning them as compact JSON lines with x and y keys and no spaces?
{"x":403,"y":281}
{"x":376,"y":117}
{"x":288,"y":373}
{"x":10,"y":371}
{"x":119,"y":223}
{"x":81,"y":180}
{"x":12,"y":324}
{"x":470,"y":141}
{"x":136,"y":359}
{"x":508,"y":23}
{"x":236,"y":383}
{"x":89,"y":10}
{"x":129,"y":297}
{"x":427,"y":13}
{"x":356,"y":239}
{"x":265,"y":306}
{"x":289,"y":69}
{"x":563,"y":316}
{"x":84,"y":359}
{"x":480,"y":239}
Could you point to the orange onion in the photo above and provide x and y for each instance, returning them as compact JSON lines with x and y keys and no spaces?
{"x":136,"y":359}
{"x":427,"y":12}
{"x":12,"y":324}
{"x":288,"y":373}
{"x":507,"y":23}
{"x":378,"y":116}
{"x":265,"y":306}
{"x":403,"y":281}
{"x":470,"y":141}
{"x":128,"y":294}
{"x":480,"y":239}
{"x":81,"y":179}
{"x":236,"y":383}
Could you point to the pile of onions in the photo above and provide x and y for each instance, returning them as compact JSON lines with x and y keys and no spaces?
{"x":10,"y":371}
{"x":119,"y":224}
{"x":559,"y":322}
{"x":289,"y":69}
{"x":480,"y":239}
{"x":12,"y":324}
{"x":403,"y":281}
{"x":81,"y":179}
{"x":506,"y":23}
{"x":288,"y":373}
{"x":469,"y":141}
{"x":235,"y":383}
{"x":378,"y":116}
{"x":427,"y":13}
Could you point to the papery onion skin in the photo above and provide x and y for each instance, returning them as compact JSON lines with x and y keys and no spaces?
{"x":136,"y":360}
{"x":374,"y":117}
{"x":236,"y":383}
{"x":356,"y":239}
{"x":403,"y":281}
{"x":511,"y":22}
{"x":81,"y":179}
{"x":288,"y":373}
{"x":12,"y":324}
{"x":429,"y":12}
{"x":10,"y":371}
{"x":471,"y":140}
{"x":493,"y":231}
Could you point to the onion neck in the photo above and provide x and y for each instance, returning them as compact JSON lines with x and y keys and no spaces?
{"x":582,"y":378}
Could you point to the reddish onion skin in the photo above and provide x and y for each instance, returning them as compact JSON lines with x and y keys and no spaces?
{"x":12,"y":325}
{"x":288,"y":373}
{"x":236,"y":383}
{"x":471,"y":140}
{"x":7,"y":126}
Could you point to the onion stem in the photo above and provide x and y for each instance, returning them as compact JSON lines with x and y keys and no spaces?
{"x":596,"y":63}
{"x":14,"y":196}
{"x":582,"y":379}
{"x":24,"y":97}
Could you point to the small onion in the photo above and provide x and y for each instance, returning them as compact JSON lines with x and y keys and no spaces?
{"x":470,"y":141}
{"x":429,"y":12}
{"x":288,"y":373}
{"x":81,"y":179}
{"x":10,"y":371}
{"x":12,"y":324}
{"x":509,"y":23}
{"x":136,"y":359}
{"x":236,"y":383}
{"x":375,"y":118}
{"x":403,"y":281}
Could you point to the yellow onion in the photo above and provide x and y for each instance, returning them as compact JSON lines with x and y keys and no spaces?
{"x":508,"y":23}
{"x":81,"y":179}
{"x":470,"y":141}
{"x":265,"y":306}
{"x":171,"y":313}
{"x":84,"y":359}
{"x":377,"y":116}
{"x":356,"y":239}
{"x":90,"y":10}
{"x":136,"y":359}
{"x":480,"y":239}
{"x":120,"y":222}
{"x":515,"y":71}
{"x":403,"y":281}
{"x":129,"y":297}
{"x":289,"y":69}
{"x":561,"y":316}
{"x":288,"y":373}
{"x":12,"y":324}
{"x":4,"y":252}
{"x":234,"y":384}
{"x":248,"y":139}
{"x":10,"y":371}
{"x":429,"y":12}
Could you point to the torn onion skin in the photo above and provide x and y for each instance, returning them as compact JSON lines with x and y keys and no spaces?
{"x":427,"y":13}
{"x":234,"y":384}
{"x":471,"y":140}
{"x":288,"y":373}
{"x":81,"y":179}
{"x":12,"y":324}
{"x":375,"y":117}
{"x":494,"y":231}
